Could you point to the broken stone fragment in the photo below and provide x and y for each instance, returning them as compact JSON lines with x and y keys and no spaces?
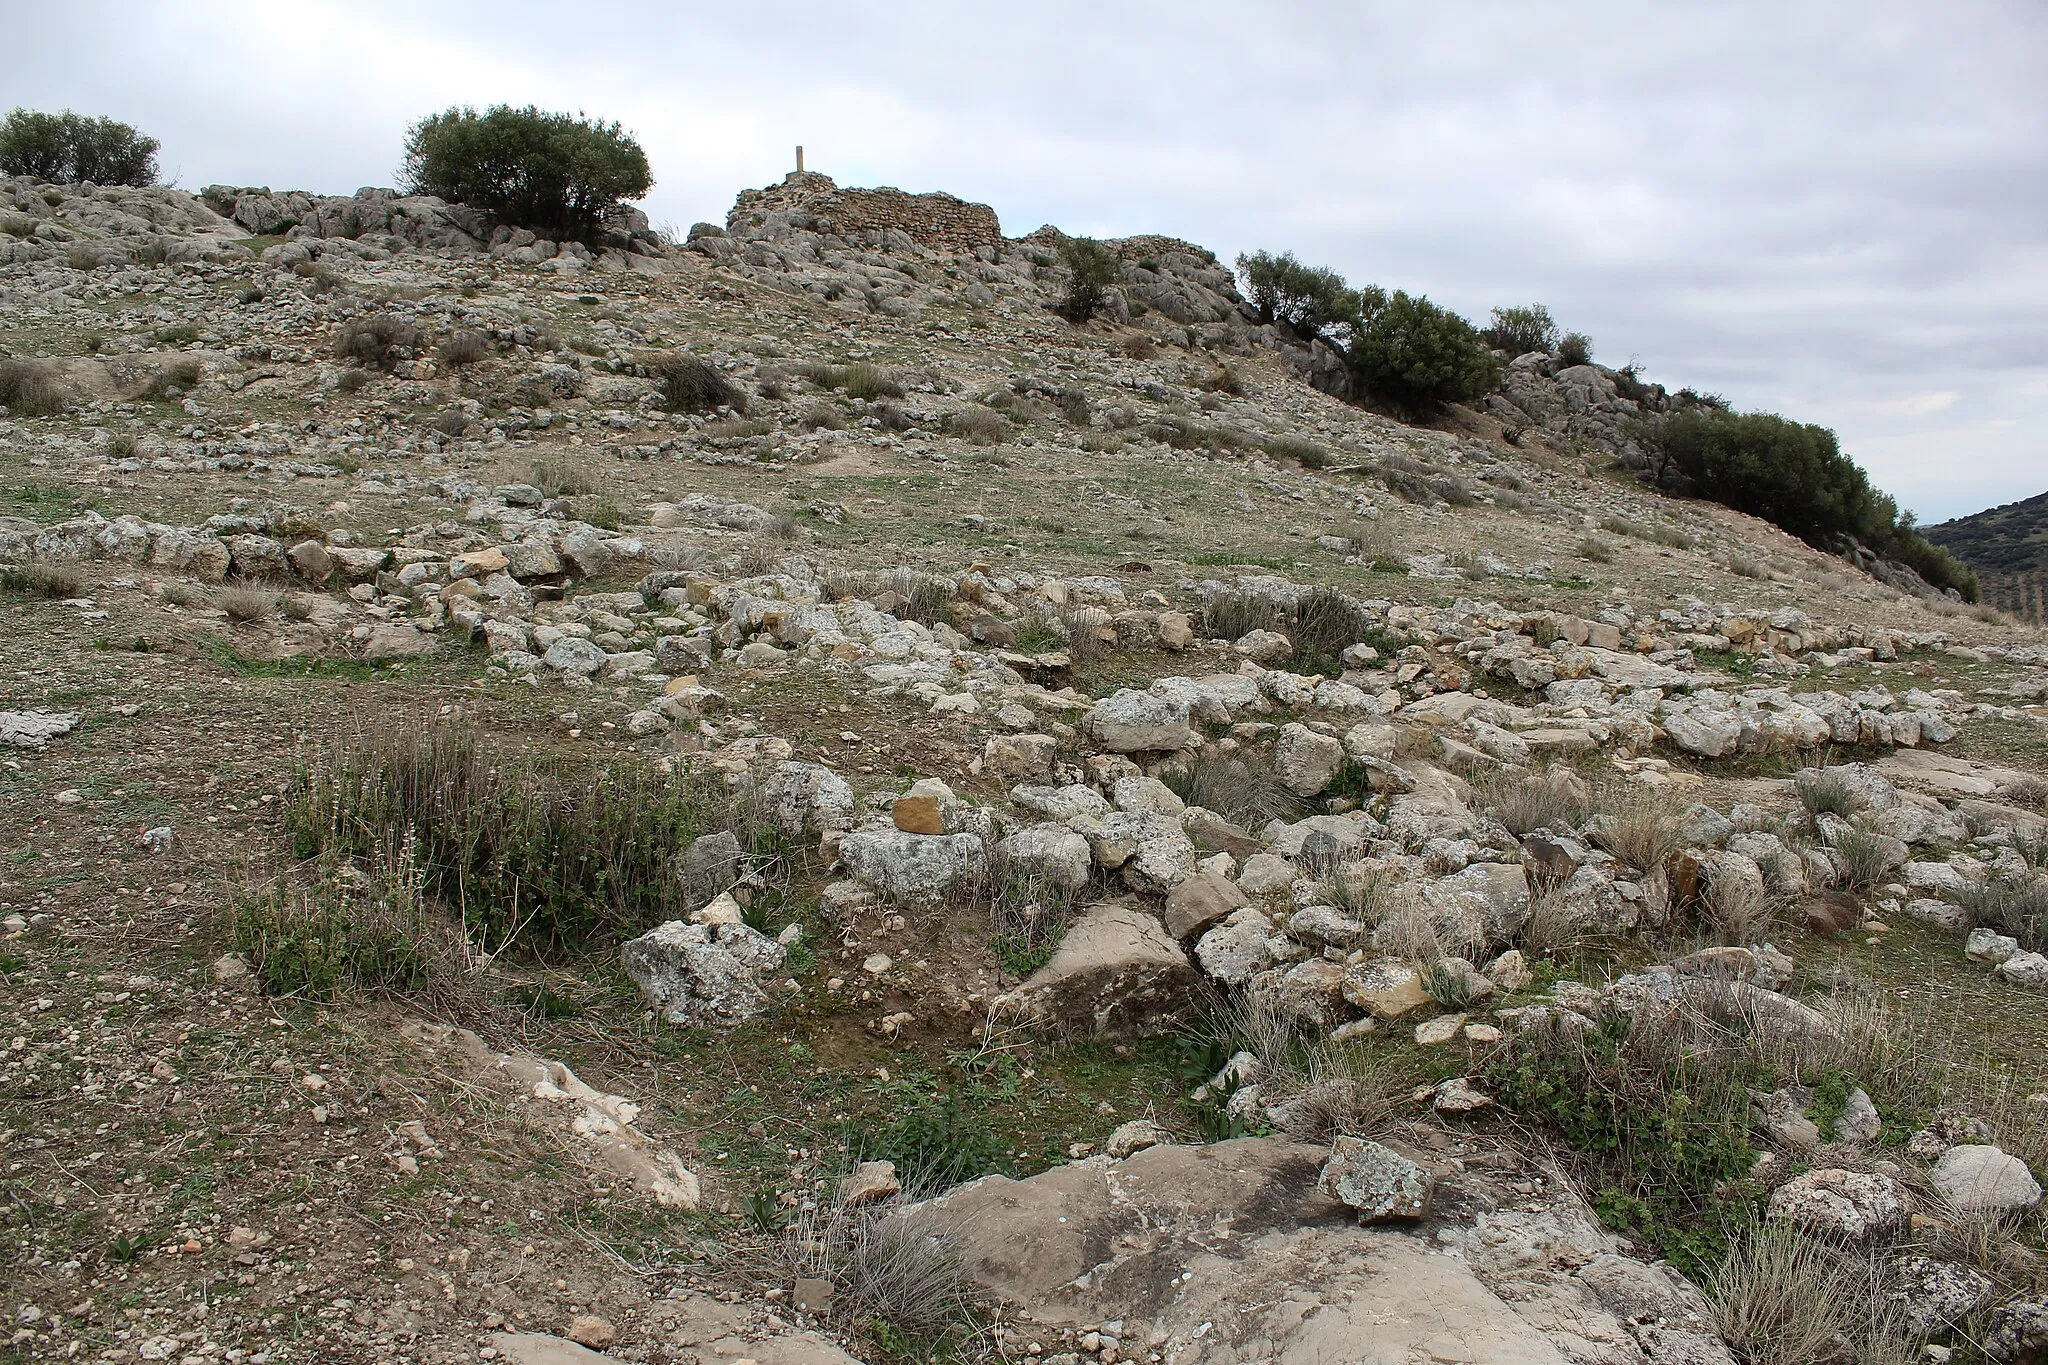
{"x":1376,"y":1180}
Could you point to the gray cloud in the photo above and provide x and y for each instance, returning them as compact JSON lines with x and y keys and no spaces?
{"x":1835,"y":210}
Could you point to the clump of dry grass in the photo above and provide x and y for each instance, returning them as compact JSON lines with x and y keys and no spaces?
{"x":1737,"y":908}
{"x":465,"y":346}
{"x":692,"y":384}
{"x":247,"y":605}
{"x":55,"y":581}
{"x":1525,"y":804}
{"x":29,"y":388}
{"x":1785,"y":1298}
{"x":822,"y":416}
{"x":1245,"y":793}
{"x":377,"y":342}
{"x":883,"y":1269}
{"x":979,"y":425}
{"x":1637,"y":824}
{"x":1826,"y":793}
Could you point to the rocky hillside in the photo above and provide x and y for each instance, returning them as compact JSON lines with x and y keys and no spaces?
{"x":769,"y":798}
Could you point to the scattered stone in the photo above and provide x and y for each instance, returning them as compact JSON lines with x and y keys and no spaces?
{"x":1135,"y":1136}
{"x":594,"y":1332}
{"x":872,"y":1182}
{"x":34,"y":729}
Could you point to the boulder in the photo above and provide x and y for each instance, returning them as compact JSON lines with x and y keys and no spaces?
{"x":395,"y":641}
{"x":806,"y":798}
{"x":1199,"y":902}
{"x":1050,"y":852}
{"x":702,"y":975}
{"x":913,"y":867}
{"x":1849,"y":1206}
{"x":1130,"y":722}
{"x":1117,"y":973}
{"x":1386,"y":988}
{"x":1305,"y":761}
{"x":1020,"y":758}
{"x":1978,"y":1178}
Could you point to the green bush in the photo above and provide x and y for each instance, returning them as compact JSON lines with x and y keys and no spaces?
{"x":72,"y":148}
{"x":1092,"y":269}
{"x":1415,"y":354}
{"x":692,"y":384}
{"x":551,"y":173}
{"x":1520,"y":330}
{"x":1795,"y":476}
{"x":1576,"y":349}
{"x":1310,"y":299}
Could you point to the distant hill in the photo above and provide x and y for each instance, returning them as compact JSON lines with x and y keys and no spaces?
{"x":2008,"y":547}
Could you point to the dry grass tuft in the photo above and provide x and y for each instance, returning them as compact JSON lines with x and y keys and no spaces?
{"x":29,"y":388}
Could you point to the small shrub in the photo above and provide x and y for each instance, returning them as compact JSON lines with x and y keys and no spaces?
{"x":1595,"y":549}
{"x":1519,"y":330}
{"x":341,"y":935}
{"x":1092,"y":268}
{"x":887,"y":1277}
{"x":1324,"y":623}
{"x":178,"y":375}
{"x":247,"y":605}
{"x":1744,"y":566}
{"x":463,"y":347}
{"x":1304,"y":452}
{"x":450,"y":422}
{"x":1783,"y":1297}
{"x":71,"y":148}
{"x":868,"y":382}
{"x":1825,"y":793}
{"x":1576,"y":349}
{"x":603,"y":512}
{"x":542,"y":855}
{"x":892,"y":416}
{"x":1232,"y":616}
{"x":1245,"y":793}
{"x":823,"y":417}
{"x":692,"y":384}
{"x":1138,"y":346}
{"x":1527,"y":804}
{"x":1863,"y":857}
{"x":2011,"y":905}
{"x":937,"y":1142}
{"x":548,"y":172}
{"x":29,"y":388}
{"x":1359,"y":890}
{"x":1655,"y":1109}
{"x":377,"y":342}
{"x":556,"y":477}
{"x":978,"y":425}
{"x":1638,"y":826}
{"x":1736,"y":908}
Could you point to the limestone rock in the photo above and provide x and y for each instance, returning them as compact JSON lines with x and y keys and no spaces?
{"x":1376,"y":1180}
{"x":1305,"y":761}
{"x":1117,"y":973}
{"x":702,"y":975}
{"x":1854,"y":1206}
{"x":912,"y":867}
{"x":1051,"y":852}
{"x":1199,"y":902}
{"x":1978,"y":1178}
{"x":805,"y":798}
{"x":1129,"y":722}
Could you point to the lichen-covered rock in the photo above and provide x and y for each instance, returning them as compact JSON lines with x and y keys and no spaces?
{"x":1852,"y":1206}
{"x":1049,"y":852}
{"x":1130,"y":722}
{"x":913,"y":867}
{"x":805,"y":798}
{"x":1117,"y":973}
{"x":1979,"y":1178}
{"x":702,"y":975}
{"x":1377,"y":1181}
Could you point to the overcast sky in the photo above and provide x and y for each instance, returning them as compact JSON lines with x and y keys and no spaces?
{"x":1835,"y":209}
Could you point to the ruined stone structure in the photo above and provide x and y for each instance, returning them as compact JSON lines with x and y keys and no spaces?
{"x":938,"y":221}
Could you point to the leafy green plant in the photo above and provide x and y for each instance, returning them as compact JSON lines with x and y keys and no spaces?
{"x":764,"y":1209}
{"x":126,"y":1247}
{"x":339,"y":935}
{"x":550,"y":172}
{"x":1413,"y":353}
{"x":1576,"y":349}
{"x":937,"y":1141}
{"x":1310,"y":300}
{"x":1655,"y":1107}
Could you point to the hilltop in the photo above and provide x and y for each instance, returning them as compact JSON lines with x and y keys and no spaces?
{"x":2008,"y":546}
{"x":769,"y":796}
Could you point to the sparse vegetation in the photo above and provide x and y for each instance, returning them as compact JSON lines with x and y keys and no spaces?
{"x":377,"y":342}
{"x":1246,"y":793}
{"x":464,"y":346}
{"x":692,"y":384}
{"x":1521,"y":329}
